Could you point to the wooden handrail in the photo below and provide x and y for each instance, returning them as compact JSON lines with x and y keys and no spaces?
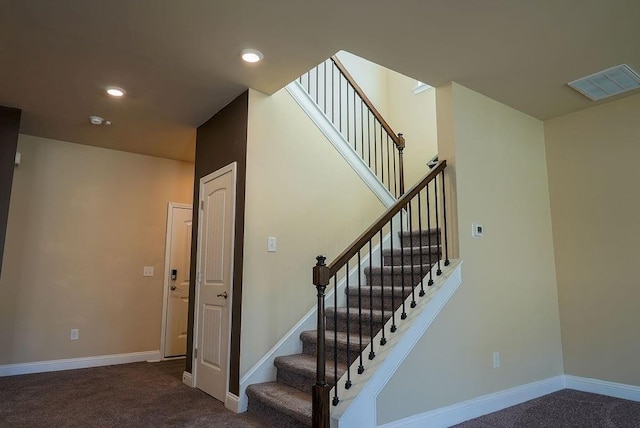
{"x":396,"y":139}
{"x":401,"y":203}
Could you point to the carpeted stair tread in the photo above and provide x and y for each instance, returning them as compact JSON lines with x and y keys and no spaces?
{"x":299,"y":370}
{"x":310,"y":336}
{"x":283,"y":399}
{"x":411,"y":255}
{"x":354,"y":313}
{"x":397,"y":270}
{"x":371,"y":324}
{"x":411,"y":238}
{"x":415,"y":250}
{"x":346,"y":352}
{"x":415,"y":233}
{"x":376,"y":291}
{"x":396,"y":275}
{"x":378,"y":299}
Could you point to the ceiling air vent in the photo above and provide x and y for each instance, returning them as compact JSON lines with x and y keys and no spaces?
{"x":607,"y":83}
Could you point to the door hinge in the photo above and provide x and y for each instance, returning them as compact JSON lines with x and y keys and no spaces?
{"x":195,"y":353}
{"x":201,"y":205}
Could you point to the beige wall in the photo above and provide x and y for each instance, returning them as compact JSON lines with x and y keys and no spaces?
{"x":371,"y":77}
{"x":507,"y":301}
{"x":302,"y":192}
{"x":413,"y":115}
{"x":593,"y":180}
{"x":82,"y":224}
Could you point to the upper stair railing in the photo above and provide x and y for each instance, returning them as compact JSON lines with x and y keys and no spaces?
{"x":424,"y":206}
{"x":343,"y":101}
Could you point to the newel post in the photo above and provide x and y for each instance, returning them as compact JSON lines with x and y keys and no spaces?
{"x":400,"y":145}
{"x":320,"y":391}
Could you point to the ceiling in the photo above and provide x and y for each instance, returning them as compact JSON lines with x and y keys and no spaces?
{"x":179,"y":60}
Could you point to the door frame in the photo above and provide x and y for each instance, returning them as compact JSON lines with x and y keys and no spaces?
{"x":167,"y":275}
{"x":232,"y":167}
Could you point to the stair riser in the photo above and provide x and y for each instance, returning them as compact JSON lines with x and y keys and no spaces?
{"x":310,"y":348}
{"x":409,"y":259}
{"x":414,"y":240}
{"x":388,"y":280}
{"x":378,"y":300}
{"x":273,"y":416}
{"x":354,"y":325}
{"x":303,"y":382}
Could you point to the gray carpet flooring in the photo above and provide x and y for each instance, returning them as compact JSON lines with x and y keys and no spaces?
{"x":564,"y":409}
{"x":127,"y":395}
{"x":153,"y":395}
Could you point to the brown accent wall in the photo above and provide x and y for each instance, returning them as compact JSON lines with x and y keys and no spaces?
{"x":9,"y":128}
{"x":220,"y":141}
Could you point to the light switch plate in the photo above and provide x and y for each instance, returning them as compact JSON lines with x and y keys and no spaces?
{"x":477,"y":230}
{"x":147,"y":271}
{"x":271,"y":244}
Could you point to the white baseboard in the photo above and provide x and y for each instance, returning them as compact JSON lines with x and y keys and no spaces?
{"x":460,"y":412}
{"x":187,"y":379}
{"x":474,"y":408}
{"x":232,"y":402}
{"x":603,"y":387}
{"x":77,"y":363}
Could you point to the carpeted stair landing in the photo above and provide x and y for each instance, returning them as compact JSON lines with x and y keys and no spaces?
{"x":287,"y":401}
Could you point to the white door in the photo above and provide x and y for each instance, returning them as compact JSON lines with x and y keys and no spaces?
{"x":215,"y":270}
{"x":177,"y":268}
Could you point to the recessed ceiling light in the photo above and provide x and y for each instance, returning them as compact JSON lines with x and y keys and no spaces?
{"x":116,"y":92}
{"x":251,"y":55}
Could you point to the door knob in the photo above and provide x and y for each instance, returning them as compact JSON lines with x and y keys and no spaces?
{"x":223,"y":295}
{"x":174,"y":288}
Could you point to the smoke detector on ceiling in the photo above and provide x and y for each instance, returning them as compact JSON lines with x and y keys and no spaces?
{"x":97,"y":120}
{"x":607,"y":83}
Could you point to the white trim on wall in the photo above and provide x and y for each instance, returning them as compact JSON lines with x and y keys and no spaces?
{"x":232,"y":402}
{"x":603,"y":387}
{"x":187,"y":379}
{"x":421,"y":87}
{"x":77,"y":363}
{"x":480,"y":406}
{"x":476,"y":407}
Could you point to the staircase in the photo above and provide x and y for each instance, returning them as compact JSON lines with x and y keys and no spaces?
{"x":406,"y":242}
{"x":287,"y":402}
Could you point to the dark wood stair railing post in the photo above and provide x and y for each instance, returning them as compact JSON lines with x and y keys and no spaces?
{"x":400,"y":145}
{"x":320,"y":391}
